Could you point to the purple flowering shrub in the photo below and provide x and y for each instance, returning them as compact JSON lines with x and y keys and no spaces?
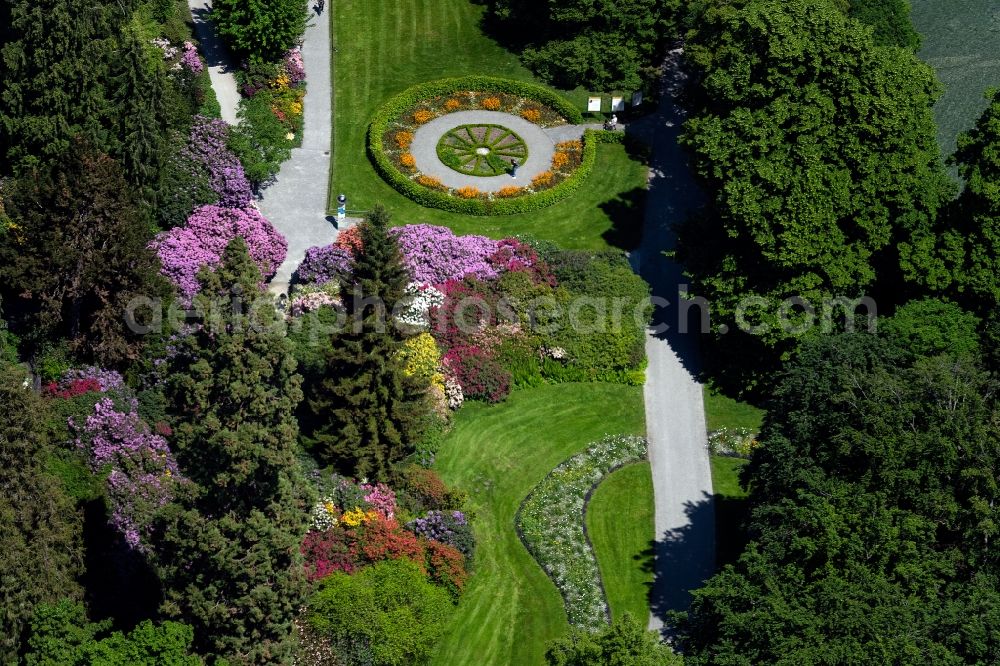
{"x":184,"y":250}
{"x":190,"y":60}
{"x":141,"y":471}
{"x":108,"y":380}
{"x":434,"y":255}
{"x":324,"y":264}
{"x":448,"y":527}
{"x":207,"y":148}
{"x":294,"y":68}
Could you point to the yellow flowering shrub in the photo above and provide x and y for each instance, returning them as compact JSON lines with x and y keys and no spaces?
{"x":573,"y":146}
{"x":468,"y":192}
{"x":422,"y":358}
{"x":544,"y":179}
{"x":531,"y":115}
{"x":403,"y":139}
{"x":492,"y":103}
{"x":509,"y":192}
{"x":559,"y":160}
{"x":422,"y":116}
{"x":281,"y":82}
{"x":408,"y":160}
{"x":357,"y":516}
{"x":452,"y":104}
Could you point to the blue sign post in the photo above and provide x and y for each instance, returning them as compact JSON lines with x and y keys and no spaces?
{"x":341,"y":207}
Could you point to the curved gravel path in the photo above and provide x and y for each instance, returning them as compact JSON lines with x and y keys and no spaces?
{"x":425,"y":140}
{"x":675,"y":412}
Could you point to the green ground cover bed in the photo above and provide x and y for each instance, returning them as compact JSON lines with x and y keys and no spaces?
{"x":511,"y":609}
{"x":482,"y":150}
{"x":413,"y":41}
{"x":620,"y":527}
{"x":551,"y":524}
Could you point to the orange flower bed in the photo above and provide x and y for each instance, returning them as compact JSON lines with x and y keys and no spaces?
{"x":559,"y":160}
{"x":492,"y":103}
{"x":509,"y":192}
{"x":468,"y":192}
{"x":403,"y":139}
{"x":574,"y":146}
{"x":544,"y":179}
{"x":531,"y":115}
{"x":430,"y":181}
{"x":422,"y":116}
{"x":408,"y":160}
{"x":452,"y":104}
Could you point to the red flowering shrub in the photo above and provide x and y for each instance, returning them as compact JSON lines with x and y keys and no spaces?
{"x":446,"y":566}
{"x":480,"y":376}
{"x":470,"y":305}
{"x":350,"y":239}
{"x":514,"y":256}
{"x":384,"y":539}
{"x":328,"y":551}
{"x":423,"y":491}
{"x":74,"y":388}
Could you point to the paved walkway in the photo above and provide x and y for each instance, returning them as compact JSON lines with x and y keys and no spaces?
{"x":220,"y":68}
{"x":296,"y":202}
{"x":675,"y":413}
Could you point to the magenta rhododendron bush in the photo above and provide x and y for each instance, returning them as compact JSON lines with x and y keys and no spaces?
{"x":435,"y":255}
{"x":207,"y":147}
{"x":201,"y":242}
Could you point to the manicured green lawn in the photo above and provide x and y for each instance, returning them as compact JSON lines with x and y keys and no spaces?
{"x":726,"y":477}
{"x":620,"y":526}
{"x":511,"y":609}
{"x":386,"y":47}
{"x":959,"y":40}
{"x":724,"y":412}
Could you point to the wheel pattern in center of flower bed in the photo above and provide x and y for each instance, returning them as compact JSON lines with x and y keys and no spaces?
{"x":482,"y":150}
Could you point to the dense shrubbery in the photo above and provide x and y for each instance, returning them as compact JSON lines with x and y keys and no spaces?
{"x":551,"y":524}
{"x":260,"y":31}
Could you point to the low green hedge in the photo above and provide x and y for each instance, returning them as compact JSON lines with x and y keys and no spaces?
{"x":402,"y":183}
{"x":551,"y":525}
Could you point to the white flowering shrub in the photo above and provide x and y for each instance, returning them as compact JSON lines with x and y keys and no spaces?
{"x":414,"y":309}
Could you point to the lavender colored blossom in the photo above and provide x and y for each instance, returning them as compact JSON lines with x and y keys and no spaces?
{"x":183,"y":251}
{"x":433,"y":255}
{"x":324,"y":264}
{"x":294,"y":67}
{"x":190,"y":59}
{"x":141,"y":471}
{"x":109,"y":380}
{"x":207,"y":147}
{"x":448,"y":527}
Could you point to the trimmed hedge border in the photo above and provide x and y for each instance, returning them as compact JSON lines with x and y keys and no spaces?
{"x":551,"y":524}
{"x":424,"y":196}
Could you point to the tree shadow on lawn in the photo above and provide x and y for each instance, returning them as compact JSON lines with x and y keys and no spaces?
{"x":625,"y":212}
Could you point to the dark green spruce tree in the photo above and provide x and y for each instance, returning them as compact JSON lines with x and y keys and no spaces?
{"x":369,"y":413}
{"x":229,"y":552}
{"x":40,"y":553}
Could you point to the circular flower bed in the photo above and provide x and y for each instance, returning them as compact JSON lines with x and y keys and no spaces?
{"x":482,"y":150}
{"x":392,"y":130}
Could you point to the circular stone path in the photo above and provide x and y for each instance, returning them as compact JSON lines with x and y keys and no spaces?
{"x":425,"y":140}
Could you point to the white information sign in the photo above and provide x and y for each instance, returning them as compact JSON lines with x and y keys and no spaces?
{"x":617,"y":104}
{"x":594,"y":104}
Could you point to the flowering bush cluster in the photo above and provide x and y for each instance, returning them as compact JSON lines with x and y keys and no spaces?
{"x":190,"y":59}
{"x":421,"y":358}
{"x":551,"y":524}
{"x":183,"y":251}
{"x":491,"y":103}
{"x":350,"y":239}
{"x":309,"y":298}
{"x":206,"y":148}
{"x":478,"y":373}
{"x":77,"y":381}
{"x":433,"y":255}
{"x":732,"y":442}
{"x":415,"y":309}
{"x":324,"y":264}
{"x":448,"y":527}
{"x":141,"y":472}
{"x":293,"y":66}
{"x":356,"y":525}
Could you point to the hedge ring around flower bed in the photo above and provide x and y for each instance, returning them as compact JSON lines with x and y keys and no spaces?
{"x":551,"y":525}
{"x":435,"y":198}
{"x":481,"y":150}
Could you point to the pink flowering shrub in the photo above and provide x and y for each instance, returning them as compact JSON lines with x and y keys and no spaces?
{"x":434,"y":255}
{"x":207,"y":148}
{"x":294,"y":67}
{"x":141,"y":472}
{"x":78,"y":381}
{"x":381,"y":498}
{"x":324,"y":264}
{"x":514,"y":256}
{"x":190,"y":60}
{"x":184,"y":250}
{"x":479,"y":374}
